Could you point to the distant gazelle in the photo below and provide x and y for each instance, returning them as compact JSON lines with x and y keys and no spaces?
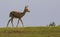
{"x":19,"y":15}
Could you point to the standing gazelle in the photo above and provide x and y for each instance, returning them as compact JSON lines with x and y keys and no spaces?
{"x":19,"y":15}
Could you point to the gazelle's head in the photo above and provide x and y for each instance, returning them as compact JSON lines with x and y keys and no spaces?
{"x":26,"y":9}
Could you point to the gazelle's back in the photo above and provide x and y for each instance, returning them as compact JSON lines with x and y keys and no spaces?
{"x":15,"y":14}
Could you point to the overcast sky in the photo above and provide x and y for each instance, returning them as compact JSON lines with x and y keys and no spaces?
{"x":42,"y":12}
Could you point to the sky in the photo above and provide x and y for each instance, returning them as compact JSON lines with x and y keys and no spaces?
{"x":42,"y":12}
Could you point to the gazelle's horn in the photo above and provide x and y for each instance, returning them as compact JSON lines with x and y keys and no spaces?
{"x":26,"y":6}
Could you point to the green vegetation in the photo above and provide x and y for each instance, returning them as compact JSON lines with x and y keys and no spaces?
{"x":30,"y":32}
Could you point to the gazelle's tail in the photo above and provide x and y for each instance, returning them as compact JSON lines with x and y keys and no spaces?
{"x":11,"y":14}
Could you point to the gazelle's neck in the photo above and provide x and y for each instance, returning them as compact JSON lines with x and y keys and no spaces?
{"x":24,"y":11}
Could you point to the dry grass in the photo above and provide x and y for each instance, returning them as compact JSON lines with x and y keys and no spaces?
{"x":30,"y":32}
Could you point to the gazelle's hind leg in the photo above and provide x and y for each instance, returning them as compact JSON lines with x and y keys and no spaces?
{"x":21,"y":22}
{"x":12,"y":22}
{"x":8,"y":22}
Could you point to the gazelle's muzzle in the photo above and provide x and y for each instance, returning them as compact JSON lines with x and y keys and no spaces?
{"x":28,"y":11}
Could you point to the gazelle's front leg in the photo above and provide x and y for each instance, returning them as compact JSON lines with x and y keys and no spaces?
{"x":17,"y":23}
{"x":22,"y":22}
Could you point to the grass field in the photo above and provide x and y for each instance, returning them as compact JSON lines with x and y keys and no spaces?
{"x":30,"y":32}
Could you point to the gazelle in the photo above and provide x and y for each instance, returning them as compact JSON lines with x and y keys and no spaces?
{"x":19,"y":15}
